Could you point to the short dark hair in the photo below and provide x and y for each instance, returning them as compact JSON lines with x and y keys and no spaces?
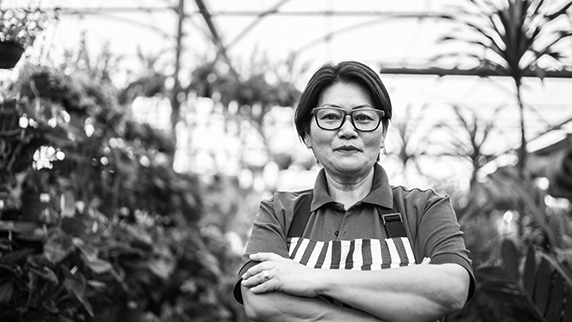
{"x":343,"y":72}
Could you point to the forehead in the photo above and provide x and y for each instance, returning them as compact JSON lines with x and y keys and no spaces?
{"x":345,"y":95}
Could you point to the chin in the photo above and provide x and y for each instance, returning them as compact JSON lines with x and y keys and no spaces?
{"x":354,"y":169}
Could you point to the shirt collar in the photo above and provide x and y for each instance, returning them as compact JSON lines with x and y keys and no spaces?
{"x":380,"y":194}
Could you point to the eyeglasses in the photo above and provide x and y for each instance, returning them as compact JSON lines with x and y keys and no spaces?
{"x":333,"y":118}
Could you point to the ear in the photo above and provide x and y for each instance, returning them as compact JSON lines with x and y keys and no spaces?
{"x":307,"y":141}
{"x":383,"y":134}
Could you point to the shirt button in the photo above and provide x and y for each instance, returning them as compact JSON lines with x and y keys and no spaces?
{"x":337,"y":233}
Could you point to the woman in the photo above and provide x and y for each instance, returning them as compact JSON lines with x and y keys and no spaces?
{"x":353,"y":248}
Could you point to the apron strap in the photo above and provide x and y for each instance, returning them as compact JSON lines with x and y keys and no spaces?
{"x":393,"y":220}
{"x":394,"y":226}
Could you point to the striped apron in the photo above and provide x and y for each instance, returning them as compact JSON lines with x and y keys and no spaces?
{"x":357,"y":254}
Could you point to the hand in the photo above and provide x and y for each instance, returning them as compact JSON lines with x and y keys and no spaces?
{"x":276,"y":273}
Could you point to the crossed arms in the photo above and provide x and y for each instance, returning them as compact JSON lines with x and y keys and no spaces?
{"x":294,"y":292}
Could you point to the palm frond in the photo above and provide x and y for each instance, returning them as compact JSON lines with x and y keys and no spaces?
{"x":485,"y":31}
{"x":550,"y":46}
{"x":560,"y":12}
{"x":513,"y":30}
{"x":502,"y":294}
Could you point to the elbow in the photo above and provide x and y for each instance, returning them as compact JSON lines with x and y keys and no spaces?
{"x":252,"y":312}
{"x":256,"y":306}
{"x":256,"y":312}
{"x":452,"y":302}
{"x":456,"y":297}
{"x":456,"y":304}
{"x":457,"y":288}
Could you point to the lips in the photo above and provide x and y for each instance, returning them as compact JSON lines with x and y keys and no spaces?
{"x":346,"y":148}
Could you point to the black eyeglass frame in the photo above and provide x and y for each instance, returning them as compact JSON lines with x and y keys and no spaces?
{"x":380,"y":112}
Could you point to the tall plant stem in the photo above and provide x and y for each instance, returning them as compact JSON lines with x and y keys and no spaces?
{"x":174,"y":97}
{"x":522,"y":150}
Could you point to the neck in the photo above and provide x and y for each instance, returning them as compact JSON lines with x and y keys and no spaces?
{"x":348,"y":192}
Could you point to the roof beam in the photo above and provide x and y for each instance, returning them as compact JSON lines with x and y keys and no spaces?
{"x":215,"y":35}
{"x":481,"y":72}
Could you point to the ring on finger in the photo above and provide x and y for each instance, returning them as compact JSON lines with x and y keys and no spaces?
{"x":265,"y":274}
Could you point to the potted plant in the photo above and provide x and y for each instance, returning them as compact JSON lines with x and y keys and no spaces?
{"x":18,"y":30}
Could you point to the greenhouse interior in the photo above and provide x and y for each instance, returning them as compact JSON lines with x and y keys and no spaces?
{"x":138,"y":138}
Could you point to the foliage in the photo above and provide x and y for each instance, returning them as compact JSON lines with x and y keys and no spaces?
{"x":202,"y":291}
{"x":262,"y":83}
{"x":113,"y":240}
{"x":89,"y":265}
{"x":17,"y":144}
{"x":523,"y":271}
{"x":108,"y":156}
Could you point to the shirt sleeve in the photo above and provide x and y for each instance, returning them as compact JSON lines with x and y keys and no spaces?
{"x":267,"y":235}
{"x":439,"y":235}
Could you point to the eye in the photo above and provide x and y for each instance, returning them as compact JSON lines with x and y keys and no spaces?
{"x":329,"y":115}
{"x":365,"y":116}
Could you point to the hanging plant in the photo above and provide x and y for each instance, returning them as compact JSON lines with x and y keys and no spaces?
{"x":18,"y":31}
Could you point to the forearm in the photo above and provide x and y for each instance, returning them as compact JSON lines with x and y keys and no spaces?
{"x":414,"y":293}
{"x":278,"y":306}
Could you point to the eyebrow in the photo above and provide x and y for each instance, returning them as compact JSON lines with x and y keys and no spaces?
{"x":353,"y":108}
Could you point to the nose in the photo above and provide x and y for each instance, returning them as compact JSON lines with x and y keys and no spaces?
{"x":347,"y":129}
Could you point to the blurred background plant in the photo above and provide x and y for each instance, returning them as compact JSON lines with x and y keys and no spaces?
{"x":116,"y":232}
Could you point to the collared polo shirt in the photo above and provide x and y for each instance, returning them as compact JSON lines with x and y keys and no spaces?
{"x":430,"y":224}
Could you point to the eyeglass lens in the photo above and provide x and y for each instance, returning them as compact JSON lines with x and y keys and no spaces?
{"x":362,"y":119}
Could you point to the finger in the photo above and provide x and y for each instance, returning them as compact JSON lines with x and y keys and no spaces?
{"x":256,"y":280}
{"x":261,"y":288}
{"x":262,"y":257}
{"x":264,"y":287}
{"x":257,"y":269}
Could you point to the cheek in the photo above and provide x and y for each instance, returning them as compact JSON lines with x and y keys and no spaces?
{"x":318,"y":137}
{"x":373,"y":139}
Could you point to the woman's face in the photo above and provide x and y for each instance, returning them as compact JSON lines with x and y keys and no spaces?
{"x":345,"y":153}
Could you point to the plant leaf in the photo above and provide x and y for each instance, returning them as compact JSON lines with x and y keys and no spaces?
{"x":4,"y":242}
{"x":161,"y":267}
{"x":15,"y":257}
{"x":97,"y":265}
{"x":64,"y":319}
{"x":568,"y":307}
{"x":542,"y":285}
{"x":76,"y":286}
{"x":564,"y":272}
{"x":96,"y":284}
{"x":529,"y":271}
{"x":50,"y":305}
{"x":6,"y":291}
{"x":510,"y":257}
{"x":556,"y":303}
{"x":57,"y":247}
{"x":505,"y":296}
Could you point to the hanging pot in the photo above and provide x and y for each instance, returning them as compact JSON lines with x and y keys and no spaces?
{"x":10,"y":53}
